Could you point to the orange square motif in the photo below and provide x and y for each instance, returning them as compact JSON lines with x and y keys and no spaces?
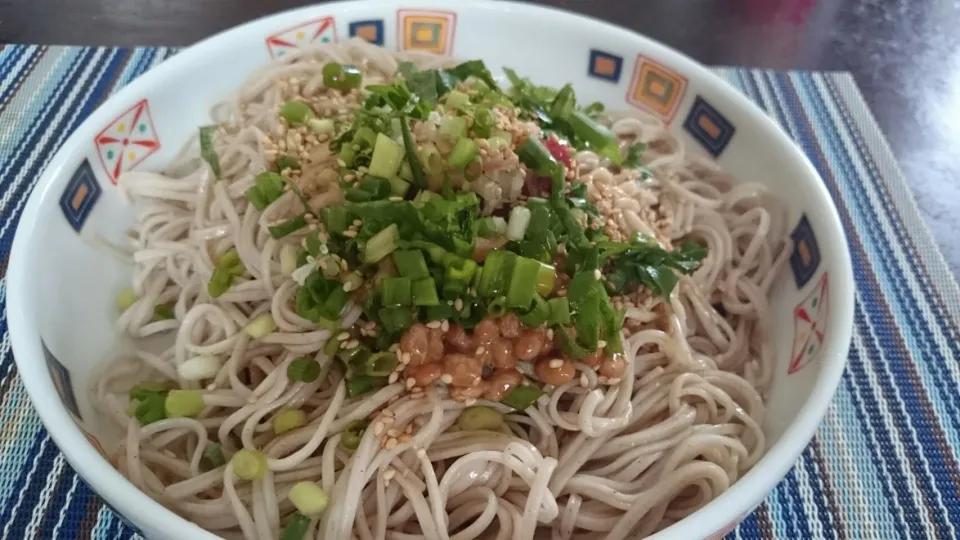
{"x":426,"y":31}
{"x":604,"y":66}
{"x":708,"y":126}
{"x":367,"y":33}
{"x":656,"y":88}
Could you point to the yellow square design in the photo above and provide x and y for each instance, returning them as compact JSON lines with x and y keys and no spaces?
{"x":79,"y":196}
{"x":656,"y":88}
{"x":426,"y":31}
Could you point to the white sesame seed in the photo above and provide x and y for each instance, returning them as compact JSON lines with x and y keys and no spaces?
{"x":391,"y":442}
{"x":597,"y":274}
{"x":378,"y":429}
{"x":615,"y":380}
{"x":389,"y":419}
{"x":469,"y":402}
{"x":405,"y":358}
{"x":433,"y":324}
{"x":353,"y":344}
{"x":549,"y":333}
{"x":556,"y":363}
{"x":601,"y":344}
{"x":446,"y":378}
{"x":394,"y":348}
{"x":417,"y":390}
{"x":393,"y":377}
{"x":349,"y":286}
{"x":392,"y":432}
{"x":389,"y":474}
{"x":445,"y":325}
{"x":357,"y":222}
{"x":411,"y":382}
{"x":458,"y":304}
{"x":350,"y":233}
{"x":480,"y":350}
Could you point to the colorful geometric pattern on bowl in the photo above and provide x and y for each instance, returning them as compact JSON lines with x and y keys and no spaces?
{"x":312,"y":32}
{"x":80,"y":196}
{"x":426,"y":31}
{"x":370,"y":30}
{"x":656,"y":88}
{"x":708,"y":126}
{"x":806,"y":253}
{"x":62,"y":382}
{"x":126,"y":141}
{"x":604,"y":65}
{"x":809,"y":324}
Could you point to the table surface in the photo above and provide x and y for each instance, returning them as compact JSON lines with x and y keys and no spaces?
{"x":904,"y":54}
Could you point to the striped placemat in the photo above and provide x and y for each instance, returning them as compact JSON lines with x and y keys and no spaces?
{"x":885,"y":461}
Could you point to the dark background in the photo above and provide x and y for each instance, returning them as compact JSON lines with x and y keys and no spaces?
{"x":904,"y":54}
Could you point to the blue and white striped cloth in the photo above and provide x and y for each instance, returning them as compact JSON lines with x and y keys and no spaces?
{"x":885,"y":462}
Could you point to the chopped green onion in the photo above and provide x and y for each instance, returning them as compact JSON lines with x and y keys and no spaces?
{"x":425,"y":292}
{"x":288,"y":259}
{"x":453,"y":127}
{"x":523,"y":283}
{"x":228,"y":266}
{"x":378,"y":187}
{"x":150,"y":409}
{"x":456,"y":99}
{"x":304,"y":369}
{"x":212,"y":457}
{"x":183,"y":404}
{"x":322,"y":126}
{"x":365,"y":136}
{"x":288,"y":420}
{"x":519,"y":220}
{"x":200,"y":367}
{"x":261,"y":326}
{"x":570,"y":347}
{"x":361,"y":384}
{"x":559,"y":310}
{"x":416,"y":169}
{"x":546,"y":280}
{"x":539,"y":220}
{"x":341,"y":77}
{"x":480,"y":418}
{"x":289,"y":226}
{"x":497,"y":307}
{"x":463,"y":153}
{"x":522,"y":397}
{"x":141,"y":391}
{"x":297,"y":528}
{"x":249,"y":464}
{"x":287,"y":162}
{"x":335,"y":302}
{"x":336,"y":218}
{"x":352,"y":434}
{"x":296,"y":113}
{"x":268,"y":187}
{"x":410,"y":263}
{"x":308,"y":498}
{"x":483,"y":122}
{"x":163,"y":312}
{"x":431,"y":159}
{"x":491,"y":226}
{"x":599,"y":138}
{"x":387,"y":156}
{"x":127,"y":298}
{"x":380,"y":364}
{"x":396,"y":291}
{"x":536,"y":157}
{"x":462,"y":272}
{"x":396,"y":318}
{"x":381,"y":244}
{"x":206,"y":149}
{"x":398,"y":186}
{"x":355,"y":357}
{"x":438,"y":312}
{"x":537,"y":315}
{"x":497,"y":268}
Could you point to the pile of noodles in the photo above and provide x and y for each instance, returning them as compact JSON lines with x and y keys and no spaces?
{"x":616,"y":462}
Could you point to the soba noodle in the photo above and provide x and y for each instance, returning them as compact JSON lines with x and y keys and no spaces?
{"x":596,"y":457}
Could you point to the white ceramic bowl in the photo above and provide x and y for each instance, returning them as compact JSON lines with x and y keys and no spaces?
{"x":61,"y":287}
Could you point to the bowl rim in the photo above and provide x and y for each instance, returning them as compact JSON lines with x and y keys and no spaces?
{"x":726,"y":510}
